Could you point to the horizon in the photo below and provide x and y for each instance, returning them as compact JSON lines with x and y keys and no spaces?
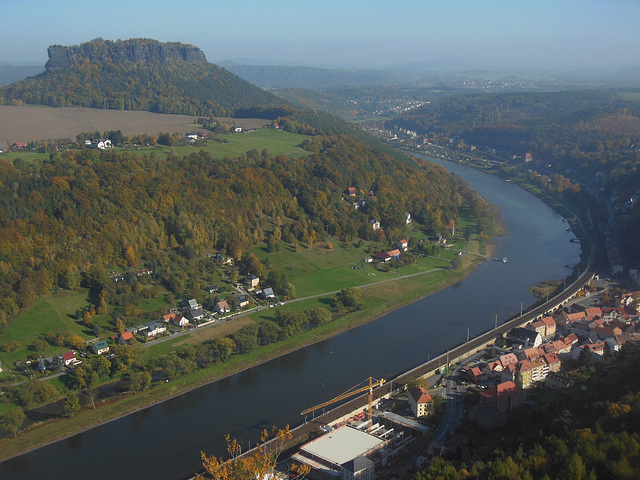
{"x":576,"y":34}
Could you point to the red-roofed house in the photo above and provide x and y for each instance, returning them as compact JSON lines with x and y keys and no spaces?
{"x":537,"y":326}
{"x":503,"y":397}
{"x":222,"y":307}
{"x":553,"y":362}
{"x":352,"y":191}
{"x":403,"y":245}
{"x":473,"y":374}
{"x":68,"y":358}
{"x":532,"y":353}
{"x":395,"y":254}
{"x":420,"y":401}
{"x":125,"y":336}
{"x":508,"y":359}
{"x":565,"y":318}
{"x":596,"y":349}
{"x":496,"y":403}
{"x":550,"y":325}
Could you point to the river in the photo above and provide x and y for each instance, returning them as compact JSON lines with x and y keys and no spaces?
{"x":164,"y":441}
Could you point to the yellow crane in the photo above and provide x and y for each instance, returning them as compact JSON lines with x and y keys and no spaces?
{"x":353,"y":391}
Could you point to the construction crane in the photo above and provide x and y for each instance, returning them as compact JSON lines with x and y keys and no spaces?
{"x":353,"y":391}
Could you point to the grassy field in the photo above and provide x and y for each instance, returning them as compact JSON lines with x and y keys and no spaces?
{"x":53,"y":312}
{"x":278,"y":142}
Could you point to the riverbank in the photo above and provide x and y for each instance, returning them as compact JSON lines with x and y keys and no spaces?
{"x":378,"y":302}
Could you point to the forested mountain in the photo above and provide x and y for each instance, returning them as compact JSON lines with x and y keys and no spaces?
{"x":138,"y":74}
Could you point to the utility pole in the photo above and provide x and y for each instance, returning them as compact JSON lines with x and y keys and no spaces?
{"x":467,"y":334}
{"x":496,"y":325}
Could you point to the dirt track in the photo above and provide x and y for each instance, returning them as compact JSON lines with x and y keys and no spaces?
{"x":27,"y":123}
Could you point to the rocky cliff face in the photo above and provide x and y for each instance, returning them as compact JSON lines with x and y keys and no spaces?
{"x":136,"y":50}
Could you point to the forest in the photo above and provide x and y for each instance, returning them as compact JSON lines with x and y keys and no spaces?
{"x":586,"y":135}
{"x":66,"y":222}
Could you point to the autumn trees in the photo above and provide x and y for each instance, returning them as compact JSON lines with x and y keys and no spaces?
{"x":63,"y":221}
{"x":258,"y":463}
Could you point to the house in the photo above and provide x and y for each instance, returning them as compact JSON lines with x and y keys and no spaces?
{"x":420,"y":401}
{"x":195,"y":315}
{"x":153,"y":329}
{"x":383,"y":256}
{"x":224,"y":260}
{"x":212,"y":289}
{"x":191,"y":304}
{"x":352,"y":191}
{"x":596,"y":349}
{"x":496,"y":403}
{"x":252,"y":281}
{"x":169,"y":317}
{"x":525,"y":337}
{"x":191,"y":135}
{"x":550,"y":325}
{"x":100,"y":347}
{"x":553,"y":362}
{"x":375,"y":224}
{"x":473,"y":374}
{"x":222,"y":307}
{"x":407,"y":218}
{"x":537,"y":326}
{"x":368,"y":260}
{"x":268,"y":293}
{"x":557,"y":380}
{"x":395,"y":254}
{"x":236,"y":129}
{"x":503,"y":397}
{"x":69,"y":358}
{"x":101,"y":143}
{"x":125,"y":337}
{"x":241,"y":301}
{"x":440,"y":240}
{"x":180,"y":321}
{"x":45,"y":364}
{"x":403,"y":245}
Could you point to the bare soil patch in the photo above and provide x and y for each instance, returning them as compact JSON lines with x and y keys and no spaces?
{"x":215,"y":331}
{"x":27,"y":123}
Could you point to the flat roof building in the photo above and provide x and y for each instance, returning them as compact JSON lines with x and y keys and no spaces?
{"x":332,"y":453}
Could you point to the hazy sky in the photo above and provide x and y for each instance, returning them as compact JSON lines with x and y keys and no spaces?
{"x":340,"y":32}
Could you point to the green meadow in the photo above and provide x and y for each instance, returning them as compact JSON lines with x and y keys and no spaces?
{"x":278,"y":142}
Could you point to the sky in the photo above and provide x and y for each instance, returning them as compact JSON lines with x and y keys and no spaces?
{"x":347,"y":33}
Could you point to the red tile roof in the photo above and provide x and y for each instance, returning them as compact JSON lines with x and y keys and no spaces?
{"x":66,"y":356}
{"x":420,"y":395}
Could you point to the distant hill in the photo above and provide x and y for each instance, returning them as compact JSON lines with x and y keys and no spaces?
{"x":13,"y":73}
{"x":137,"y":74}
{"x":311,"y":78}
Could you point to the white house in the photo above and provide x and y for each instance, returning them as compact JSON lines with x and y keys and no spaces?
{"x":101,"y":144}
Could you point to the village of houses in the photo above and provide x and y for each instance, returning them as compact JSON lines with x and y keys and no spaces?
{"x":189,"y":315}
{"x":547,"y":353}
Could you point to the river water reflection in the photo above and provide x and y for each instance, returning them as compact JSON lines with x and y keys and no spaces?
{"x":164,"y":441}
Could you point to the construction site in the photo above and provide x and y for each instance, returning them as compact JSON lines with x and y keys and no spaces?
{"x":358,"y":443}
